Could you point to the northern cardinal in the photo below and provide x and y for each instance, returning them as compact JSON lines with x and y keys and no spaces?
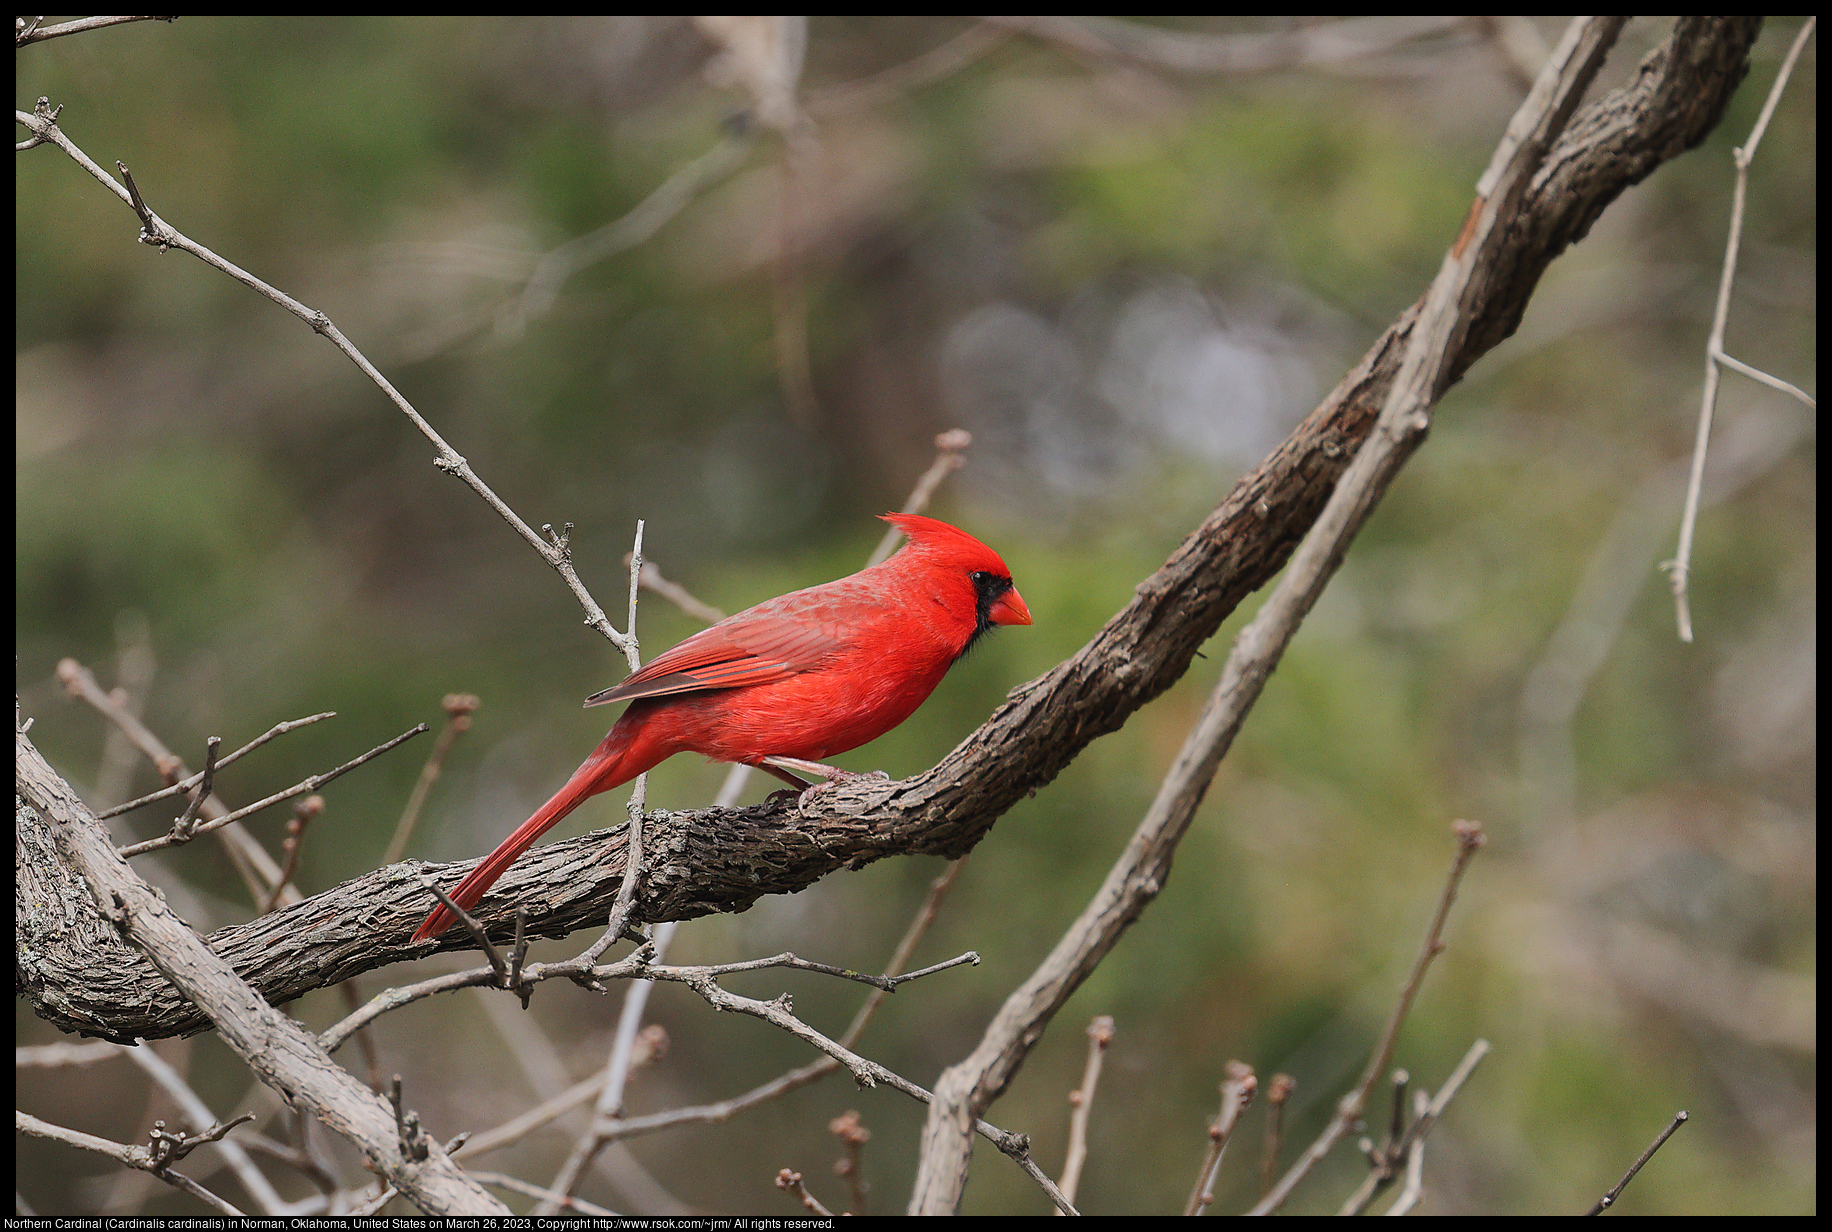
{"x":791,"y":681}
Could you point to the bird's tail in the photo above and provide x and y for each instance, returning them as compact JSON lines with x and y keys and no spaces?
{"x":609,"y":766}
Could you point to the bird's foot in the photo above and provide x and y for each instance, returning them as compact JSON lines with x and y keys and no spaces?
{"x":791,"y":768}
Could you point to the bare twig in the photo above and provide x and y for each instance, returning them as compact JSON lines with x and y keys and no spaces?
{"x":300,"y":1160}
{"x":412,"y":1138}
{"x":1237,"y":1091}
{"x":640,"y":224}
{"x":951,"y":447}
{"x":183,"y":828}
{"x":185,"y":784}
{"x":173,"y":1084}
{"x":724,"y":1110}
{"x":458,"y":709}
{"x":1609,"y":1199}
{"x":853,"y":1136}
{"x":1404,"y":1140}
{"x":1081,"y":1100}
{"x":1414,"y":1189}
{"x":27,"y":30}
{"x":564,"y":1202}
{"x":257,"y":867}
{"x":499,"y":966}
{"x":312,"y":783}
{"x":544,"y":1113}
{"x":1469,"y":839}
{"x":136,"y":665}
{"x":304,"y":813}
{"x":1278,"y":1091}
{"x":1679,"y":568}
{"x":353,"y":1000}
{"x":680,"y":596}
{"x":42,"y":123}
{"x":133,"y":1156}
{"x":55,"y":1056}
{"x":790,"y":1182}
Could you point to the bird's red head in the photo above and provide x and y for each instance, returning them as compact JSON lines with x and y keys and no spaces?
{"x":998,"y":601}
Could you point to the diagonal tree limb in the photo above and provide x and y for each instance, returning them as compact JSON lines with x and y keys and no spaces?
{"x":718,"y":860}
{"x":967,"y":1088}
{"x":280,"y":1052}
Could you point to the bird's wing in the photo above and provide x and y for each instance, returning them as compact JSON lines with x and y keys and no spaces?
{"x":754,"y":647}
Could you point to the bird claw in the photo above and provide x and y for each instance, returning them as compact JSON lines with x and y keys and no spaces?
{"x":840,"y":779}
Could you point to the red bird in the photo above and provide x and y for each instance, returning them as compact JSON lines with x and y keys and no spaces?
{"x":791,"y":681}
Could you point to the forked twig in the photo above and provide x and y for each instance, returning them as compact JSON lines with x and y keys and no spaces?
{"x":1680,"y":567}
{"x":1237,"y":1091}
{"x":313,"y":783}
{"x":1469,"y":840}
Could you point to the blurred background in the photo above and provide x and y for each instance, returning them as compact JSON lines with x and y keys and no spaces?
{"x":588,"y":253}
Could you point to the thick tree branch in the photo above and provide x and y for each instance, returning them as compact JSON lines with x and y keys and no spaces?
{"x":724,"y":859}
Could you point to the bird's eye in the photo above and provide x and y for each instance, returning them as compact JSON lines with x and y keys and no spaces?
{"x":980,"y":576}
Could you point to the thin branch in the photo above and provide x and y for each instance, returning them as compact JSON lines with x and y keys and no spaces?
{"x":1237,"y":1091}
{"x":136,"y":666}
{"x":514,"y":1130}
{"x":777,"y":1012}
{"x":1609,"y":1199}
{"x":1680,"y":567}
{"x":1469,"y":839}
{"x":951,"y":446}
{"x":185,"y":784}
{"x":173,"y":1084}
{"x":258,"y":869}
{"x":1278,"y":1091}
{"x":133,"y":1156}
{"x":313,"y":783}
{"x":1773,"y":382}
{"x":724,"y":1110}
{"x":304,"y":813}
{"x":680,"y":596}
{"x":458,"y":707}
{"x":654,"y":212}
{"x":790,"y":1182}
{"x":42,"y":122}
{"x":56,"y":1056}
{"x":625,"y":901}
{"x":564,"y":1202}
{"x":1414,"y":1189}
{"x":853,"y":1136}
{"x":1402,"y":1143}
{"x":26,"y":30}
{"x":183,"y":828}
{"x":1081,"y":1101}
{"x":301,"y":1161}
{"x":499,"y":966}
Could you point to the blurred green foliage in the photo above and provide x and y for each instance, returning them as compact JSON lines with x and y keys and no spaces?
{"x":981,"y":251}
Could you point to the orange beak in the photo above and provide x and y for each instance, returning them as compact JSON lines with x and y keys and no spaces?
{"x":1009,"y":609}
